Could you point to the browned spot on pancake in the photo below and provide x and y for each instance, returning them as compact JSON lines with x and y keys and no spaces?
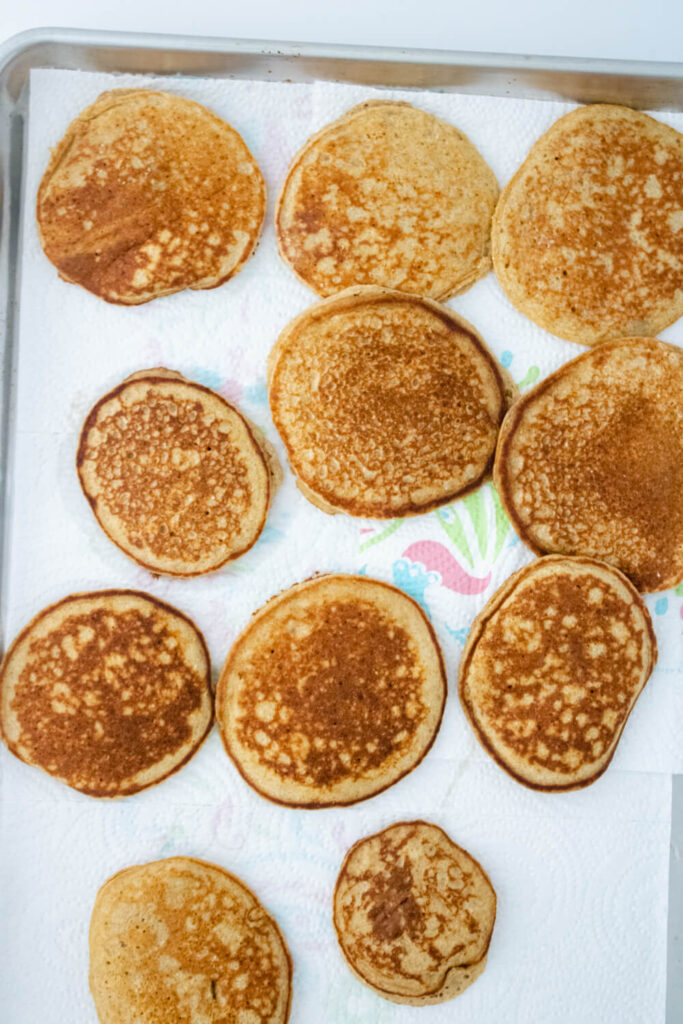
{"x":410,"y":906}
{"x":387,"y":405}
{"x":148,"y":194}
{"x":388,"y":195}
{"x":172,"y":472}
{"x":104,"y":697}
{"x":336,"y":694}
{"x":181,"y":940}
{"x":591,"y":461}
{"x":588,"y":236}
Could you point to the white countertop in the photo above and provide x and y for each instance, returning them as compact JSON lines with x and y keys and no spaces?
{"x":635,"y":29}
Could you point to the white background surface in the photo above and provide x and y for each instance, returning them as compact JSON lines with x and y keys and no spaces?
{"x":637,"y":29}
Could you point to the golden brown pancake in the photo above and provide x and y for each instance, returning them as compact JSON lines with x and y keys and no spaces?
{"x":108,"y":691}
{"x":388,"y":404}
{"x":180,"y":941}
{"x":388,"y":195}
{"x":148,"y":194}
{"x":414,"y":914}
{"x":552,"y":668}
{"x":587,"y":237}
{"x":332,"y":693}
{"x":590,"y":461}
{"x":176,"y":476}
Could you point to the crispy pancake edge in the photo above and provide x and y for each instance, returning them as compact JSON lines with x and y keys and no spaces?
{"x":283,"y":595}
{"x":479,"y":625}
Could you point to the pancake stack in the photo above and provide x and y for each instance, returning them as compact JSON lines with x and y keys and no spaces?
{"x":388,"y":404}
{"x":148,"y":194}
{"x":109,"y":691}
{"x":332,"y":693}
{"x":414,"y":914}
{"x":552,"y":668}
{"x":388,"y":195}
{"x":175,"y":475}
{"x":182,"y":940}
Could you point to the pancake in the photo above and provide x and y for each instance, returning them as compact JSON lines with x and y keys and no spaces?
{"x":148,"y":194}
{"x":176,"y":476}
{"x":180,"y":941}
{"x":388,"y":404}
{"x":552,"y":668}
{"x":590,"y":461}
{"x":333,"y":692}
{"x":108,"y":691}
{"x":414,"y":914}
{"x":388,"y":195}
{"x":587,"y":237}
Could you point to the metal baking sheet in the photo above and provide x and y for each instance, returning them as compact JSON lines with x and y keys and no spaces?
{"x":646,"y":85}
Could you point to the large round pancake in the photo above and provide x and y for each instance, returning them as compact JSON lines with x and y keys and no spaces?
{"x":414,"y":914}
{"x":388,"y":195}
{"x":108,"y":691}
{"x":552,"y":668}
{"x":180,"y":941}
{"x":175,"y":475}
{"x":388,"y":404}
{"x":333,"y":692}
{"x":587,"y":237}
{"x":148,"y":194}
{"x":590,"y":461}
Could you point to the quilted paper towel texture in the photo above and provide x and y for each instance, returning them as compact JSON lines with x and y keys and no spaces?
{"x":581,"y":879}
{"x":73,"y":347}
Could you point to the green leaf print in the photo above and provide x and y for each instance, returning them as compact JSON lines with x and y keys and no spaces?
{"x":450,"y":521}
{"x":502,"y":523}
{"x":386,"y":532}
{"x":474,"y":503}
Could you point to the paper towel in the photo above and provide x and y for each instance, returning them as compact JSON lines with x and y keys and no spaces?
{"x":573,"y":872}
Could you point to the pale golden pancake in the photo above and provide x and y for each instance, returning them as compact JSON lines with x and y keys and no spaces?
{"x":176,"y":475}
{"x":587,"y":237}
{"x":552,"y":668}
{"x":590,"y":461}
{"x":108,"y":691}
{"x":388,"y":195}
{"x":180,"y":941}
{"x":388,"y":404}
{"x":148,"y":194}
{"x":414,"y":914}
{"x":332,"y":693}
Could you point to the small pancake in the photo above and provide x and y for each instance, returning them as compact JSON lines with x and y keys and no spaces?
{"x":388,"y":404}
{"x":414,"y":914}
{"x":148,"y":194}
{"x":333,"y":692}
{"x":552,"y":668}
{"x":587,"y":237}
{"x":180,"y":941}
{"x":176,"y":476}
{"x":108,"y":691}
{"x":388,"y":195}
{"x":590,"y":461}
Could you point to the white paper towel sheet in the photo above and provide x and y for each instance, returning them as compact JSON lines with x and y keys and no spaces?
{"x":582,"y":878}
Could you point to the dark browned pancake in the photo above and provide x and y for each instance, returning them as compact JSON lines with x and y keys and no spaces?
{"x":414,"y":914}
{"x":108,"y":691}
{"x":587,"y":237}
{"x":552,"y":668}
{"x":590,"y":461}
{"x":180,"y":941}
{"x":148,"y":194}
{"x":332,"y":693}
{"x":388,"y":404}
{"x":176,"y":476}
